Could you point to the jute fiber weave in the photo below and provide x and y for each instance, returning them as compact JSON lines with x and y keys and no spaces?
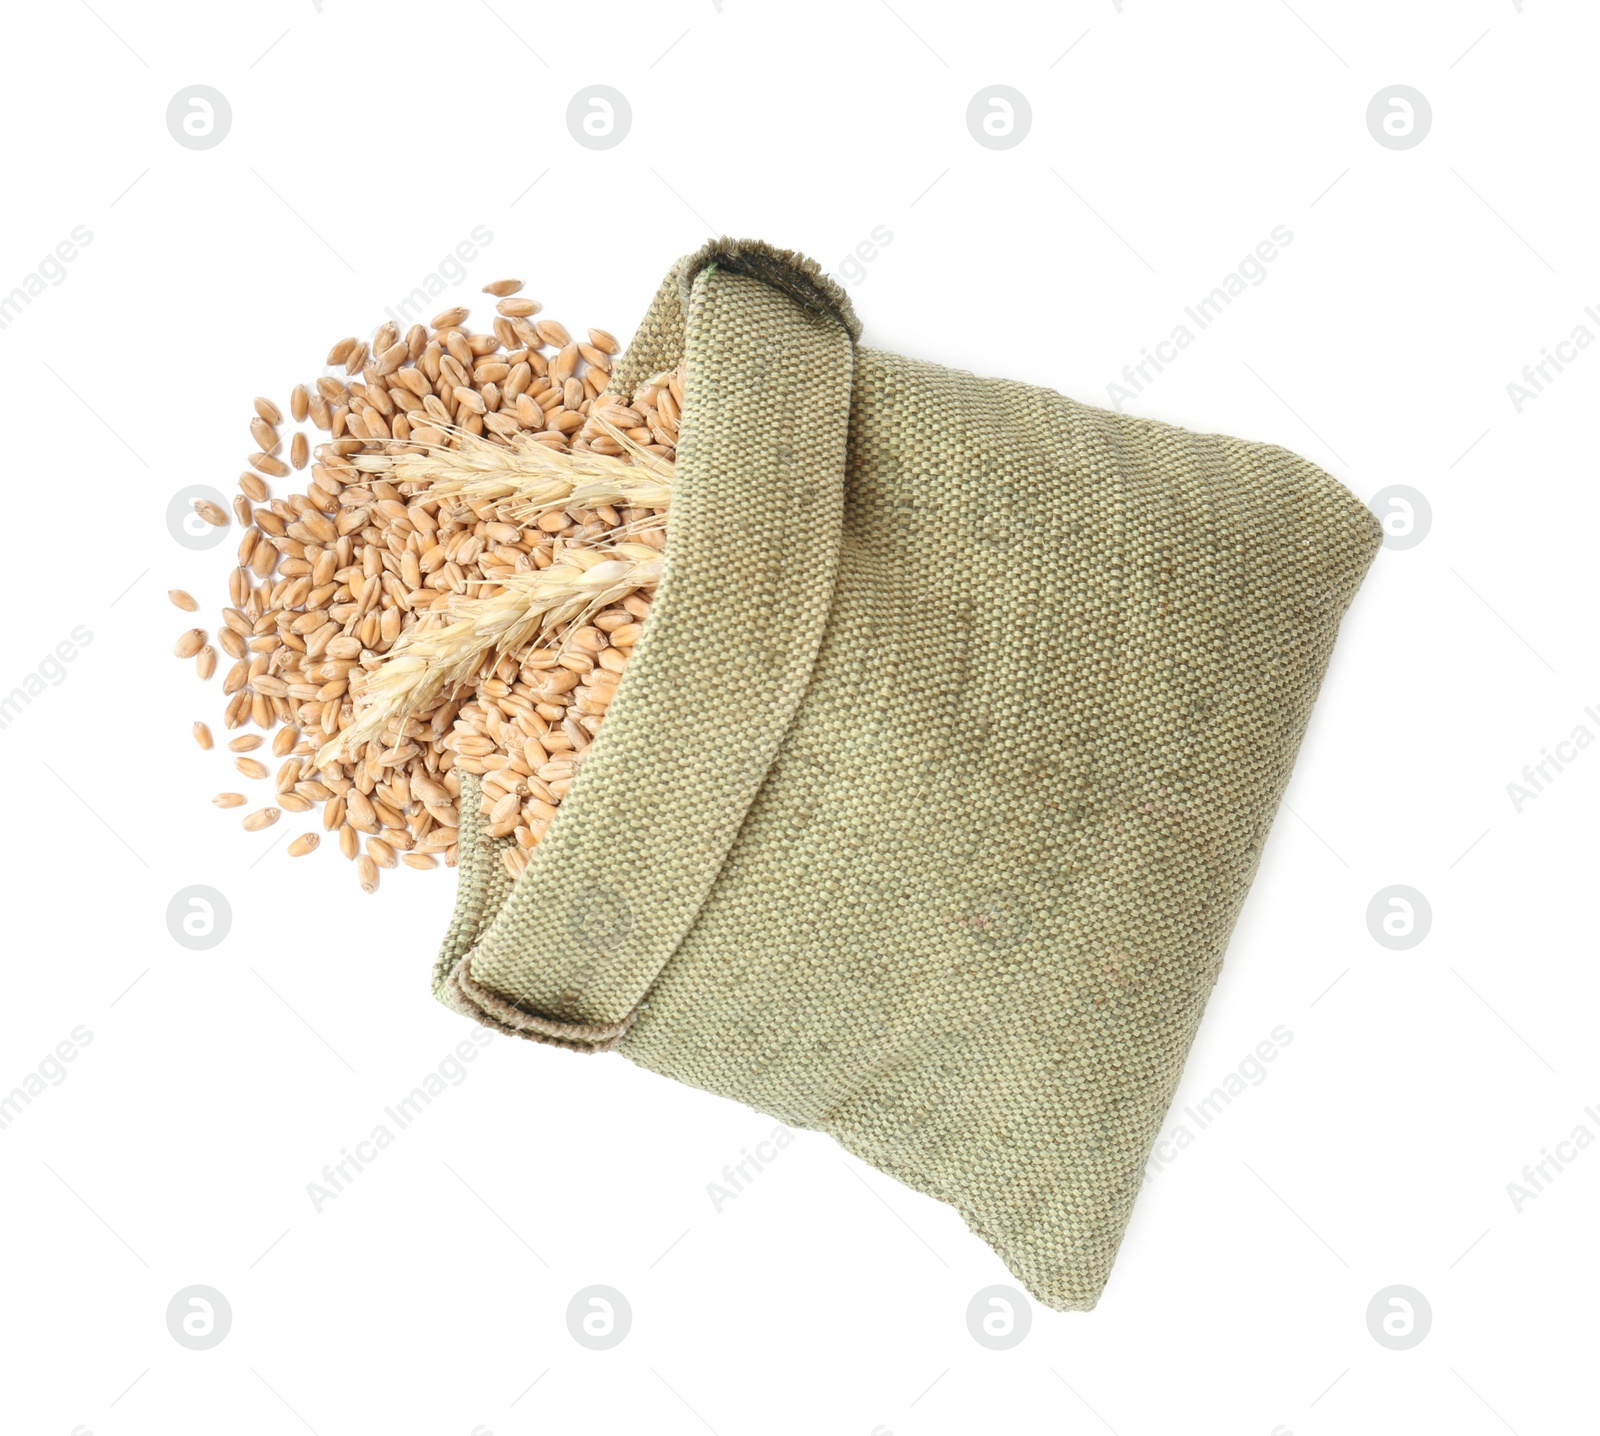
{"x":1007,"y":691}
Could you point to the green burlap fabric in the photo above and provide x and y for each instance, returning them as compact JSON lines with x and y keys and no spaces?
{"x":931,"y":795}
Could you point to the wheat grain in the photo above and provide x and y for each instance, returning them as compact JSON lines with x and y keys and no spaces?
{"x":477,"y":497}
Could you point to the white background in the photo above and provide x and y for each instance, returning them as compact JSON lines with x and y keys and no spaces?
{"x":1168,"y":139}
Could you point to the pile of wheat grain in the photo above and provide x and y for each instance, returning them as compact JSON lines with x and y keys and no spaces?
{"x":457,"y":586}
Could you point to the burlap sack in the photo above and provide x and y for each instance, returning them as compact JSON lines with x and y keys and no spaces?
{"x":928,"y":803}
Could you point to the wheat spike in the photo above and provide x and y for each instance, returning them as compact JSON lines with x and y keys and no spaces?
{"x":428,"y":662}
{"x":522,"y":469}
{"x":529,"y":479}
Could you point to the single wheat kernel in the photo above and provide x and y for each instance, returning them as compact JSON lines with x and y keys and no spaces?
{"x":305,"y":843}
{"x":261,"y":818}
{"x":367,"y":874}
{"x":214,"y":515}
{"x":182,"y":600}
{"x":189,"y":643}
{"x":265,"y":435}
{"x":229,"y":800}
{"x":202,"y":735}
{"x":250,"y":767}
{"x":390,"y":359}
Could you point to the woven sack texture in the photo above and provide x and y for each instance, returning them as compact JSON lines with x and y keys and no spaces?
{"x":930,"y":798}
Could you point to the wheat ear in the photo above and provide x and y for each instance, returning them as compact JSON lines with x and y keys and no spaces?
{"x":530,"y":473}
{"x":428,"y":662}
